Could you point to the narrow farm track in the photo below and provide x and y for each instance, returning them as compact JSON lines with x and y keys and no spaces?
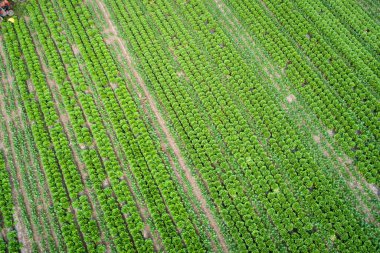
{"x":195,"y":188}
{"x":159,"y":134}
{"x":118,"y":136}
{"x":116,"y":152}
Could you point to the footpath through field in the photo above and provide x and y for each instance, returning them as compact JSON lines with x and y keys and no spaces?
{"x":162,"y":124}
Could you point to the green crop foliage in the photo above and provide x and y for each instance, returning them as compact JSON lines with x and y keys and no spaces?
{"x":190,"y":126}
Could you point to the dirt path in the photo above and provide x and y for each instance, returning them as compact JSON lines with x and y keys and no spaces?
{"x":195,"y":188}
{"x":173,"y":165}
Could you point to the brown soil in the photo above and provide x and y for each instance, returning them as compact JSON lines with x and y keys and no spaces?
{"x":114,"y":86}
{"x":356,"y":185}
{"x":325,"y":153}
{"x":374,"y":189}
{"x":196,"y":190}
{"x":291,"y":98}
{"x":64,"y":118}
{"x":22,"y":234}
{"x":331,"y":133}
{"x":75,"y":49}
{"x":110,"y":40}
{"x":317,"y":139}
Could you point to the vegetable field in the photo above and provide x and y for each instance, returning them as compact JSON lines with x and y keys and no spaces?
{"x":190,"y":126}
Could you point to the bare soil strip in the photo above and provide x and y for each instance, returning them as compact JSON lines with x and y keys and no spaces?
{"x":195,"y":188}
{"x":143,"y":210}
{"x":118,"y":152}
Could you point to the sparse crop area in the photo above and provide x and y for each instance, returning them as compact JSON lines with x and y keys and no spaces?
{"x":190,"y":126}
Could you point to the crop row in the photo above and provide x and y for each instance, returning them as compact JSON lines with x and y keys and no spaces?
{"x":129,"y":129}
{"x":358,"y":22}
{"x":109,"y":185}
{"x":357,"y":140}
{"x":32,"y":217}
{"x":165,"y":74}
{"x":153,"y":178}
{"x":63,"y":178}
{"x":284,"y":141}
{"x":8,"y":239}
{"x":342,"y":41}
{"x":33,"y":197}
{"x":333,"y":64}
{"x":22,"y":167}
{"x":204,"y":81}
